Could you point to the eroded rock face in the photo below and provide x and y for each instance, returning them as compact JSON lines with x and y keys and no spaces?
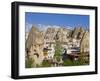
{"x":34,"y":44}
{"x":60,"y":34}
{"x":77,"y":33}
{"x":37,"y":41}
{"x":84,"y":44}
{"x":26,"y":35}
{"x":50,"y":33}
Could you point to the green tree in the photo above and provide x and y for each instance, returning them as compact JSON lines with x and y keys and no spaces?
{"x":58,"y":50}
{"x":68,"y":62}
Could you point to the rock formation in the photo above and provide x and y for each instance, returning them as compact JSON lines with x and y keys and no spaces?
{"x":50,"y":33}
{"x":77,"y":33}
{"x":84,"y":44}
{"x":34,"y":44}
{"x":37,"y":40}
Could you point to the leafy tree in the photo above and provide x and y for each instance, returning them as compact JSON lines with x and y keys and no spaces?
{"x":58,"y":50}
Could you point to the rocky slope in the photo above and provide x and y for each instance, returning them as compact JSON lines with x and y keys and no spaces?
{"x":36,"y":39}
{"x":34,"y":44}
{"x":84,"y":44}
{"x":77,"y":33}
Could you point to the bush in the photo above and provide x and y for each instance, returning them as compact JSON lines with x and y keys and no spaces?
{"x":46,"y":63}
{"x":67,"y":62}
{"x":29,"y":63}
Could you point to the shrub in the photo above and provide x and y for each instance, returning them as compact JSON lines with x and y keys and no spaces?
{"x":29,"y":63}
{"x":67,"y":62}
{"x":46,"y":63}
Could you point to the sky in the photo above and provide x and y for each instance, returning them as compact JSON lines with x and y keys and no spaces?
{"x":44,"y":20}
